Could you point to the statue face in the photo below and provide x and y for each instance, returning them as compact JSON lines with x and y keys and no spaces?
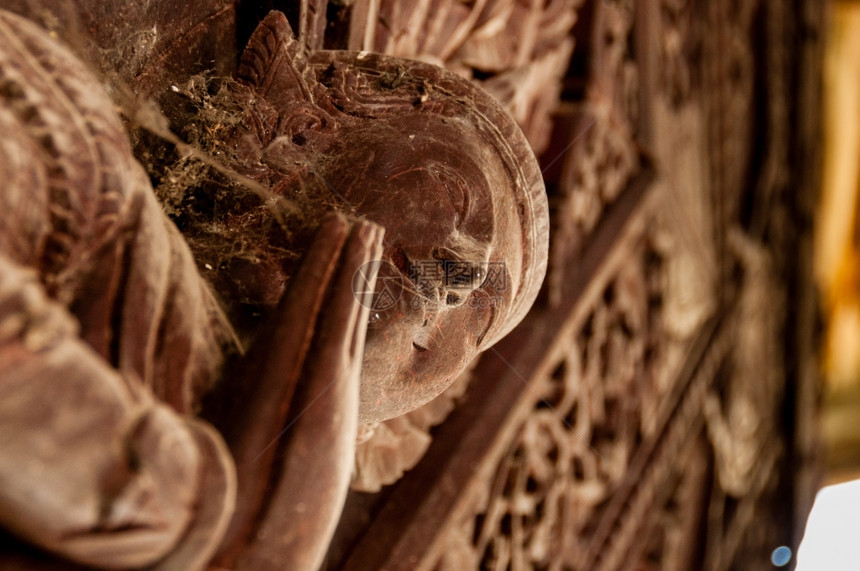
{"x":452,"y":245}
{"x":441,"y":167}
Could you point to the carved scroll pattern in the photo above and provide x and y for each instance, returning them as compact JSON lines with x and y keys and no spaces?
{"x":603,"y":399}
{"x":596,"y":168}
{"x":551,"y":502}
{"x":594,"y":138}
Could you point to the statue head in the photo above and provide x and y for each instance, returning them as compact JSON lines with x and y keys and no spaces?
{"x":434,"y":160}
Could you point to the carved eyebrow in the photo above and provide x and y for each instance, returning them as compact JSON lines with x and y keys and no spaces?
{"x":467,"y":247}
{"x":456,"y":188}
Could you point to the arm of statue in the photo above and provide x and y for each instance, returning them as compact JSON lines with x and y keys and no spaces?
{"x":94,"y":467}
{"x":91,"y":467}
{"x":293,"y":413}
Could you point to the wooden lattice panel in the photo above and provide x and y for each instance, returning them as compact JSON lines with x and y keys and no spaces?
{"x":603,"y":405}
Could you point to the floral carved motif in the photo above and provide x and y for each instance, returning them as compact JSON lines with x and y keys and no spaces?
{"x":595,"y":170}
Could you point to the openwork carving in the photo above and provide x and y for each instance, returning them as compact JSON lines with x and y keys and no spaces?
{"x":606,"y":396}
{"x":596,"y":145}
{"x":635,"y":422}
{"x":596,"y":168}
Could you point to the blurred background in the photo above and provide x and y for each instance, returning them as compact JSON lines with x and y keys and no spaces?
{"x":830,"y":539}
{"x":837,"y":255}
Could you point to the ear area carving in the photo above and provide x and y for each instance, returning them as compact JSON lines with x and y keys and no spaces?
{"x":303,"y":123}
{"x":275,"y":64}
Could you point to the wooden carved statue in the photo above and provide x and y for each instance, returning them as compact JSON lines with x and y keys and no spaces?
{"x":118,"y":332}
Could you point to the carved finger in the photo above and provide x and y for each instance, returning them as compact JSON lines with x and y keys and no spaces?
{"x":307,"y":498}
{"x":320,"y":449}
{"x":262,"y":391}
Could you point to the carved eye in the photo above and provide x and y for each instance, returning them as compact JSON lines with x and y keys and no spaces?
{"x":459,"y":273}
